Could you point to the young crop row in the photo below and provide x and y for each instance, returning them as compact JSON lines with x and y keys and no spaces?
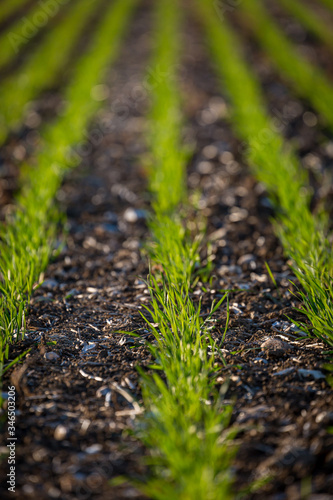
{"x":304,"y":235}
{"x":309,"y":81}
{"x":43,"y":67}
{"x":27,"y":238}
{"x":185,"y":416}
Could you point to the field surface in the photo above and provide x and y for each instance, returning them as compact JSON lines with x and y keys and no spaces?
{"x":166,"y":249}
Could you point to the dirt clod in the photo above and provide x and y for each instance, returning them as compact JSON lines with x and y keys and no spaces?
{"x":275,"y":347}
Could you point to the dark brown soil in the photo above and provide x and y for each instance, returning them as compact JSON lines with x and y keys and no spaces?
{"x":77,"y":388}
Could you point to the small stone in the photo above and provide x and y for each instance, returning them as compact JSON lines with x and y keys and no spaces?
{"x":28,"y":489}
{"x":255,"y":413}
{"x":60,"y":432}
{"x":244,"y":286}
{"x":51,"y":356}
{"x":236,"y":308}
{"x":223,"y":270}
{"x":321,"y":417}
{"x":40,"y":454}
{"x":286,"y":371}
{"x":237,"y":214}
{"x":205,"y":167}
{"x":50,"y":284}
{"x":210,"y":152}
{"x":88,"y":347}
{"x":246,"y":259}
{"x":275,"y":347}
{"x":310,"y":119}
{"x":53,"y":492}
{"x":132,"y":215}
{"x":94,"y":448}
{"x":260,"y":360}
{"x":316,"y":374}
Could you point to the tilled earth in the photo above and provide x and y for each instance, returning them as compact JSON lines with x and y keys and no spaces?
{"x":78,"y":390}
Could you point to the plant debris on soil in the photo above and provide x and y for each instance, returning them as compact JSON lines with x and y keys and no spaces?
{"x":78,"y":389}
